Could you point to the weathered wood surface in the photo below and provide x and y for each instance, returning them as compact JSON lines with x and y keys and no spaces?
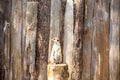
{"x":43,"y":32}
{"x":68,"y":36}
{"x":99,"y":64}
{"x":57,"y":72}
{"x":30,"y":47}
{"x":16,"y":29}
{"x":78,"y":40}
{"x":87,"y":39}
{"x":114,"y":42}
{"x":55,"y":22}
{"x":2,"y":17}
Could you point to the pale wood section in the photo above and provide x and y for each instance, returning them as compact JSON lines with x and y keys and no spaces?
{"x":16,"y":28}
{"x":30,"y":47}
{"x":68,"y":36}
{"x":78,"y":40}
{"x":114,"y":42}
{"x":57,"y":72}
{"x":55,"y":22}
{"x":87,"y":39}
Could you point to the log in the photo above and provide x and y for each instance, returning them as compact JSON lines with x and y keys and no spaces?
{"x":30,"y":47}
{"x":68,"y":36}
{"x":114,"y":42}
{"x":57,"y":72}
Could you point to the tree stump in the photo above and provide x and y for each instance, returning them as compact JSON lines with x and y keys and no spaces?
{"x":57,"y":72}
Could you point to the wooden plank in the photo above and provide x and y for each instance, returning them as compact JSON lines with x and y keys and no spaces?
{"x":43,"y":33}
{"x":55,"y":23}
{"x":16,"y":40}
{"x":87,"y":40}
{"x":78,"y":40}
{"x":6,"y":30}
{"x":99,"y":70}
{"x":114,"y":42}
{"x":68,"y":36}
{"x":2,"y":18}
{"x":30,"y":47}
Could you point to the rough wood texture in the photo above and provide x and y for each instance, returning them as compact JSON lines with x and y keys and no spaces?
{"x":55,"y":23}
{"x":2,"y":18}
{"x":16,"y":29}
{"x":43,"y":32}
{"x":87,"y":39}
{"x":57,"y":72}
{"x":78,"y":40}
{"x":68,"y":36}
{"x":114,"y":42}
{"x":30,"y":47}
{"x":99,"y":65}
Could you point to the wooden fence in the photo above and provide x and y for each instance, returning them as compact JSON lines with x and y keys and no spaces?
{"x":88,"y":31}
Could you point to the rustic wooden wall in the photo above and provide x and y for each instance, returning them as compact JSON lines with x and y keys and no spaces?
{"x":89,"y":32}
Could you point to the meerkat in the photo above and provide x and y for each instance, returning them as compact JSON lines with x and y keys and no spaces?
{"x":56,"y":55}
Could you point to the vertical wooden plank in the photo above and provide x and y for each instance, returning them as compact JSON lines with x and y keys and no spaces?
{"x":23,"y":34}
{"x":55,"y":21}
{"x":6,"y":30}
{"x":2,"y":17}
{"x":30,"y":47}
{"x":43,"y":32}
{"x":114,"y":42}
{"x":87,"y":40}
{"x":100,"y":41}
{"x":68,"y":36}
{"x":78,"y":40}
{"x":16,"y":39}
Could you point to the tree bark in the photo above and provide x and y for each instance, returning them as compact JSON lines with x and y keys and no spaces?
{"x":114,"y":42}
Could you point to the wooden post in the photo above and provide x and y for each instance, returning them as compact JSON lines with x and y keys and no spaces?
{"x":68,"y":36}
{"x":16,"y":28}
{"x":30,"y":47}
{"x":57,"y":72}
{"x":55,"y":22}
{"x":78,"y":40}
{"x":2,"y":18}
{"x":114,"y":42}
{"x":100,"y":39}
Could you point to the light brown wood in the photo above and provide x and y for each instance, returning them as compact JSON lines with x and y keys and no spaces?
{"x":16,"y":28}
{"x":55,"y":24}
{"x":114,"y":42}
{"x":57,"y":72}
{"x":68,"y":36}
{"x":30,"y":47}
{"x":87,"y":39}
